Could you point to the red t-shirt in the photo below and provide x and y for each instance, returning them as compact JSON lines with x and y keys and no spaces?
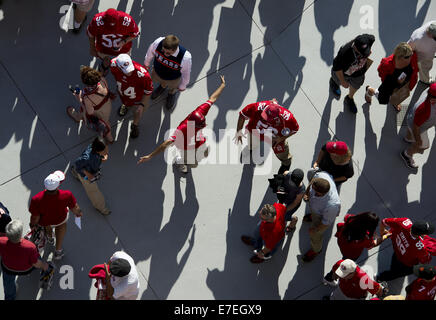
{"x":132,"y":88}
{"x":351,"y":249}
{"x":421,"y":290}
{"x":18,"y":256}
{"x":422,"y":113}
{"x":288,"y":124}
{"x":107,"y":38}
{"x":52,"y":208}
{"x":408,"y":249}
{"x":182,"y":135}
{"x":359,"y":285}
{"x":273,"y":232}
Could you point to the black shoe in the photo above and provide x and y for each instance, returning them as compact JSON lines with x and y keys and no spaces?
{"x":283,"y":168}
{"x":134,"y":132}
{"x":247,"y":240}
{"x":77,"y":30}
{"x":335,"y":89}
{"x":157,"y":92}
{"x":348,"y":102}
{"x":171,"y":100}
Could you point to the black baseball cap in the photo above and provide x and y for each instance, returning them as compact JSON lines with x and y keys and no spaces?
{"x":420,"y":228}
{"x":297,"y":176}
{"x":363,"y":43}
{"x":424,"y":271}
{"x":120,"y":267}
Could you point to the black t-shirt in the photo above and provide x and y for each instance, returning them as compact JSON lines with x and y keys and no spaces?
{"x":291,"y":189}
{"x":335,"y":170}
{"x":349,"y":61}
{"x":391,"y":83}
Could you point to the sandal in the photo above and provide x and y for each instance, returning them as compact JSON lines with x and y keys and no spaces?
{"x":71,"y":112}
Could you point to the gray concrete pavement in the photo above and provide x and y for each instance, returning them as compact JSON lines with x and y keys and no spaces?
{"x":184,"y":233}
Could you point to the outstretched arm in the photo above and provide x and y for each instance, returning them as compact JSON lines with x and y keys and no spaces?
{"x":218,"y":91}
{"x":159,"y":149}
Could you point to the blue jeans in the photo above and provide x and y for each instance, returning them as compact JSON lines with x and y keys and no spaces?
{"x":258,"y":242}
{"x":9,"y":286}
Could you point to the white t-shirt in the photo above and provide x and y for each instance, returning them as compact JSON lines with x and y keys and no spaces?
{"x":424,"y":45}
{"x":127,"y":287}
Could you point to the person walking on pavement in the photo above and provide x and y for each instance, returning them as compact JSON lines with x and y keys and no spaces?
{"x":134,"y":87}
{"x":171,"y":67}
{"x":86,"y":169}
{"x":324,"y":205}
{"x":268,"y":116}
{"x":424,"y":287}
{"x":18,"y":257}
{"x":188,"y":138}
{"x":49,"y":209}
{"x":423,"y":42}
{"x":111,"y":33}
{"x":353,"y":283}
{"x":420,"y":118}
{"x":399,"y":74}
{"x":122,"y":281}
{"x":269,"y":232}
{"x":408,"y":243}
{"x":349,"y":68}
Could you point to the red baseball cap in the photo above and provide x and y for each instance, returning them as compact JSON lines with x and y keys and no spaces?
{"x":271,"y":113}
{"x":337,"y":147}
{"x":198,"y":118}
{"x":111,"y":16}
{"x":432,"y":90}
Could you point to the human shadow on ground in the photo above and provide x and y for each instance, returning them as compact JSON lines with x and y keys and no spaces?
{"x":403,"y":21}
{"x":226,"y":41}
{"x":254,"y":281}
{"x":328,"y":22}
{"x":165,"y":266}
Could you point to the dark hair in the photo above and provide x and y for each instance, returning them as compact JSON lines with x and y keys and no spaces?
{"x":89,"y":76}
{"x":321,"y":185}
{"x":98,"y":144}
{"x":360,"y":225}
{"x":171,"y":42}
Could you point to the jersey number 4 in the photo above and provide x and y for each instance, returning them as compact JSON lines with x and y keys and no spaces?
{"x":129,"y":92}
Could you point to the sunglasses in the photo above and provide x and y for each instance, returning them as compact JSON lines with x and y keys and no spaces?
{"x":406,"y":57}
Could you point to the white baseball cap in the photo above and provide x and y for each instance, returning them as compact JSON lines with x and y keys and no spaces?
{"x":345,"y":268}
{"x":124,"y":62}
{"x":53,"y":180}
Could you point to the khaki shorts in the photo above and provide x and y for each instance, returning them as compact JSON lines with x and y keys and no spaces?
{"x":172,"y":85}
{"x":424,"y":137}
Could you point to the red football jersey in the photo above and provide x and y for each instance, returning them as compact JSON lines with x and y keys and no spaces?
{"x":273,"y":232}
{"x":288,"y":124}
{"x":421,"y":290}
{"x":189,"y":137}
{"x":132,"y":88}
{"x":359,"y":285}
{"x":408,"y":249}
{"x":107,"y":38}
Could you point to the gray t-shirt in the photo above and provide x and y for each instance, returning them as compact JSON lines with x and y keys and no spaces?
{"x":329,"y":205}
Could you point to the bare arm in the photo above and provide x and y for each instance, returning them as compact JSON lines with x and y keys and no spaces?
{"x":296,"y":202}
{"x":77,"y":211}
{"x":218,"y":91}
{"x":319,"y":159}
{"x":156,"y":151}
{"x":341,"y":77}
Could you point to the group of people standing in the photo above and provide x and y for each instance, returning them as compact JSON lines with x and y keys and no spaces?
{"x":168,"y":63}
